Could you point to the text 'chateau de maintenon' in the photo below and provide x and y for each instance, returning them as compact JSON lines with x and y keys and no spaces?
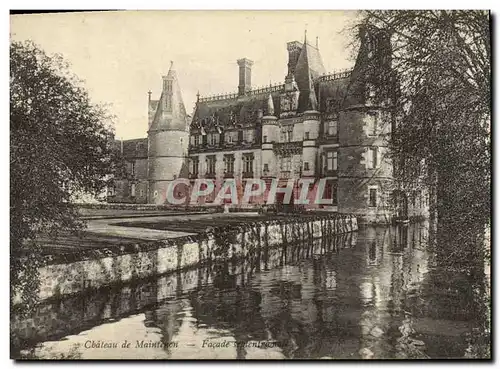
{"x":314,"y":125}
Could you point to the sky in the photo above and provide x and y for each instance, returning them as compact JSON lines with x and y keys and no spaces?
{"x":120,"y":56}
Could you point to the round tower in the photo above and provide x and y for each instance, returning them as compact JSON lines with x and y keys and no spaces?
{"x":311,"y":124}
{"x":269,"y":135}
{"x":168,"y":138}
{"x":365,"y":169}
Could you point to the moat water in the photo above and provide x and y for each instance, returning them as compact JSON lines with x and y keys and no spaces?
{"x":379,"y":293}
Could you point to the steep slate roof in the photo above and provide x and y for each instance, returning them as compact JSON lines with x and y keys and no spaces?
{"x":332,"y":94}
{"x":243,"y":107}
{"x":133,"y":149}
{"x":315,"y":93}
{"x":176,"y":119}
{"x":309,"y":63}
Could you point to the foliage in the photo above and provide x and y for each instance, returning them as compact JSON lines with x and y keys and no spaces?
{"x":442,"y":109}
{"x":60,"y":147}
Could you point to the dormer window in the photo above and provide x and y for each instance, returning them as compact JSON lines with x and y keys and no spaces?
{"x":331,"y":128}
{"x":231,"y":137}
{"x":248,"y":136}
{"x":213,"y":139}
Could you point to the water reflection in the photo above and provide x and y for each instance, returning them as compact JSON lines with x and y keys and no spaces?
{"x":378,"y":293}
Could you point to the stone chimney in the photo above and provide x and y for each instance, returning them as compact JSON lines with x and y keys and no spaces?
{"x":294,"y":48}
{"x":245,"y":76}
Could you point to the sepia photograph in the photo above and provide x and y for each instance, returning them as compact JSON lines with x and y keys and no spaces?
{"x":250,"y":185}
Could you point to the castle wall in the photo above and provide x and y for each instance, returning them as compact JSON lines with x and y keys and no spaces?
{"x":97,"y":268}
{"x":171,"y":143}
{"x":220,"y":176}
{"x":361,"y":182}
{"x":167,"y":156}
{"x":357,"y":177}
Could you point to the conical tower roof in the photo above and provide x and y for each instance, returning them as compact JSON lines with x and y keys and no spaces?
{"x":170,"y":113}
{"x":270,"y":105}
{"x":309,"y":67}
{"x":309,"y":63}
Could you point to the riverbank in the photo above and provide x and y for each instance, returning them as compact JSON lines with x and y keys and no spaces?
{"x":375,"y":293}
{"x":140,"y":253}
{"x":55,"y":319}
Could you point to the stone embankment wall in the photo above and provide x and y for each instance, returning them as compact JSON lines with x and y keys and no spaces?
{"x":71,"y":314}
{"x":71,"y":274}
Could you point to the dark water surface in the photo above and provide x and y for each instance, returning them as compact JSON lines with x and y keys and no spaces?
{"x":378,"y":293}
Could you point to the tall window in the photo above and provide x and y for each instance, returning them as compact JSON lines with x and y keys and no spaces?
{"x":211,"y":164}
{"x":372,"y":124}
{"x":287,"y":133}
{"x":331,"y":160}
{"x":306,"y":165}
{"x":331,"y":128}
{"x":306,"y":136}
{"x":132,"y":189}
{"x":167,"y":84}
{"x":264,"y":139}
{"x":248,"y":163}
{"x":132,"y":168}
{"x":195,"y":165}
{"x":373,"y":197}
{"x":266,"y":167}
{"x":286,"y":163}
{"x":248,"y":135}
{"x":372,"y":157}
{"x":229,"y":164}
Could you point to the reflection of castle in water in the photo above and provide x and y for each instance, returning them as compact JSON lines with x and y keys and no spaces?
{"x":309,"y":304}
{"x":364,"y":294}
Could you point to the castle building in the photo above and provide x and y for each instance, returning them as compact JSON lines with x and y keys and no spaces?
{"x":315,"y":125}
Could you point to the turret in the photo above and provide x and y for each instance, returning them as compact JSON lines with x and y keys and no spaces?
{"x":311,"y":125}
{"x":168,"y":137}
{"x":270,"y":134}
{"x":364,"y":168}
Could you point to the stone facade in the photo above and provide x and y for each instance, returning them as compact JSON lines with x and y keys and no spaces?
{"x":315,"y":125}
